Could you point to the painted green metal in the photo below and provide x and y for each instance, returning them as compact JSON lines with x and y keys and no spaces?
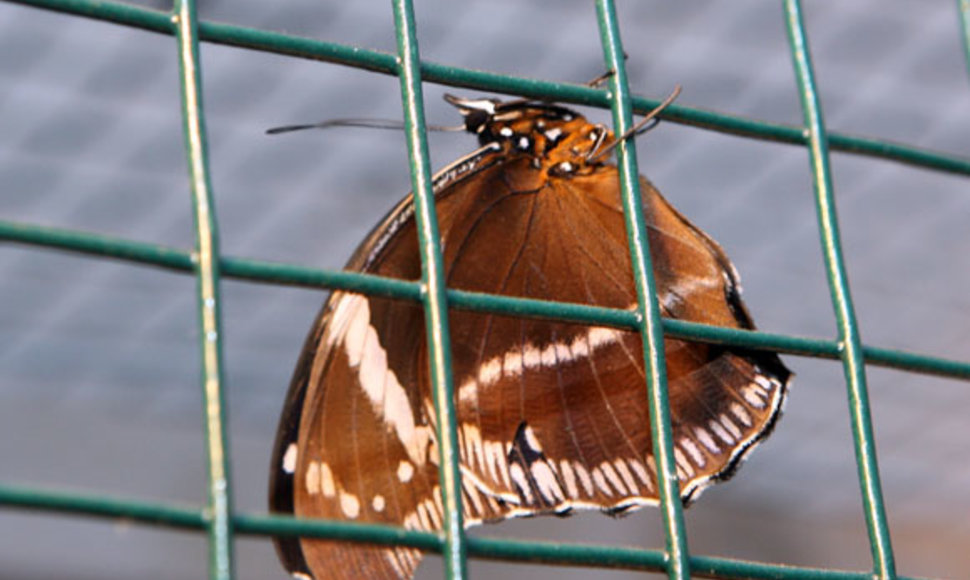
{"x":651,"y":329}
{"x":73,"y":502}
{"x":217,"y":519}
{"x":435,"y":298}
{"x":852,"y":356}
{"x":177,"y":260}
{"x":592,"y":555}
{"x":206,"y":260}
{"x":382,"y":62}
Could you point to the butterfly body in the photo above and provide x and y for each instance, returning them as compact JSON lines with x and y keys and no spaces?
{"x":551,"y":416}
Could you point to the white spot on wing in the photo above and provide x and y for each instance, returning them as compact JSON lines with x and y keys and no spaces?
{"x":613,"y":478}
{"x":432,"y":513}
{"x":584,"y":477}
{"x":521,"y":482}
{"x":764,"y":382}
{"x":695,"y":454}
{"x":569,"y":478}
{"x":579,"y":348}
{"x":289,"y":459}
{"x":472,"y":493}
{"x":327,"y":485}
{"x":641,"y":471}
{"x":741,"y":413}
{"x":730,"y":426}
{"x":313,"y":478}
{"x":625,"y":474}
{"x":706,"y":440}
{"x":563,"y":352}
{"x":378,"y":503}
{"x":349,"y":504}
{"x":546,"y":482}
{"x":753,"y":395}
{"x":528,"y":356}
{"x":490,"y":371}
{"x":383,"y":389}
{"x":436,"y":494}
{"x":424,"y":517}
{"x":530,"y":439}
{"x":549,"y":356}
{"x":399,"y":567}
{"x":531,"y":357}
{"x":603,"y":336}
{"x":405,"y":471}
{"x":512,"y":365}
{"x":682,"y":463}
{"x":600,"y":481}
{"x":721,"y":432}
{"x":495,"y":458}
{"x":472,"y":438}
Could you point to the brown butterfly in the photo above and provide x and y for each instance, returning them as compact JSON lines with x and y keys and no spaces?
{"x":551,"y":416}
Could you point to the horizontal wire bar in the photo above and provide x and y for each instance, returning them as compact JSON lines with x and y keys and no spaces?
{"x":592,"y":555}
{"x":178,"y":260}
{"x":103,"y":506}
{"x":383,"y":62}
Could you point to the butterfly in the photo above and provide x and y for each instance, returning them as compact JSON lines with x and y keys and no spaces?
{"x":552,"y":416}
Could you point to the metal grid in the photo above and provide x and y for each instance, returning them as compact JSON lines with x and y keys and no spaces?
{"x":208,"y":265}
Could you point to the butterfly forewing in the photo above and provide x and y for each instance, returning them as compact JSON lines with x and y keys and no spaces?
{"x":551,"y":416}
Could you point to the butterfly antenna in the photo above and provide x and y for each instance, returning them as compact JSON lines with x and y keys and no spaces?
{"x":366,"y":123}
{"x":648,"y":122}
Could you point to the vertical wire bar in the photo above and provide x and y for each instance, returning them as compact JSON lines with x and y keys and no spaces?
{"x":963,"y":7}
{"x":435,"y":298}
{"x":852,"y":358}
{"x":651,"y":330}
{"x":206,"y":259}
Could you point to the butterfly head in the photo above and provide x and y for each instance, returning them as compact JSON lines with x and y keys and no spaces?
{"x":559,"y":140}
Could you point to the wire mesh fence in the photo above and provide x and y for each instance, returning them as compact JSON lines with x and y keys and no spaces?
{"x":209,"y":265}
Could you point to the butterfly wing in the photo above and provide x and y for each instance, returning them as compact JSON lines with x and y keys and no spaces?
{"x":552,"y":416}
{"x":571,"y":398}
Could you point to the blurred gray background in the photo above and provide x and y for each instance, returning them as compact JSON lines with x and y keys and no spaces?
{"x":99,"y":369}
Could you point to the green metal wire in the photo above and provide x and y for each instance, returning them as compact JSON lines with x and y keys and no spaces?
{"x":651,"y":330}
{"x":852,"y":356}
{"x":435,"y":299}
{"x":208,"y":265}
{"x":376,"y":61}
{"x":275,"y":273}
{"x":600,"y":556}
{"x":206,"y":260}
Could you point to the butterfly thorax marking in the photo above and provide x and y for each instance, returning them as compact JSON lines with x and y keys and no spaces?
{"x":559,"y":141}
